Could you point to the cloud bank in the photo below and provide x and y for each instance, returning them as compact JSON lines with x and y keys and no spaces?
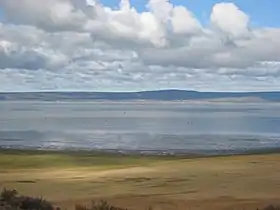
{"x":83,"y":45}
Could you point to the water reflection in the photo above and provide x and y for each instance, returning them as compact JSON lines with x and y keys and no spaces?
{"x":140,"y":126}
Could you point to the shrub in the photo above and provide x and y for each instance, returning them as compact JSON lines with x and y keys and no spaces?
{"x":8,"y":196}
{"x":271,"y":207}
{"x":9,"y":199}
{"x":101,"y":205}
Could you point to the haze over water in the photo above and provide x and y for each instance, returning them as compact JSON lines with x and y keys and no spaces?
{"x":134,"y":126}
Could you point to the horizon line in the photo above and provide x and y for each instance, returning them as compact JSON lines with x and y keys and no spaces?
{"x":140,"y":91}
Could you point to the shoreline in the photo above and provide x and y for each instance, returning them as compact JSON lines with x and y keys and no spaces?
{"x":176,"y":154}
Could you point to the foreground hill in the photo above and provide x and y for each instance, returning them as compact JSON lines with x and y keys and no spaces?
{"x":139,"y":182}
{"x":161,"y":95}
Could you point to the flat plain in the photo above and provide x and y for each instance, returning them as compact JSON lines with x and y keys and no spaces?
{"x":137,"y":182}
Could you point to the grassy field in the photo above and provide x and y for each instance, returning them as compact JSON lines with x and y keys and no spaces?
{"x":20,"y":159}
{"x":136,"y":182}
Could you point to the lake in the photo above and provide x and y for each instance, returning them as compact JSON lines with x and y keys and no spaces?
{"x":186,"y":127}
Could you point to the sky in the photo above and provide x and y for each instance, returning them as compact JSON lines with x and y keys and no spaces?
{"x":122,"y":45}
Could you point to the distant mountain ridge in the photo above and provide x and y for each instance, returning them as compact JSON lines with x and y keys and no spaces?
{"x":158,"y":95}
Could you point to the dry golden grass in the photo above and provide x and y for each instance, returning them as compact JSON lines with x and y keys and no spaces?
{"x":236,"y":182}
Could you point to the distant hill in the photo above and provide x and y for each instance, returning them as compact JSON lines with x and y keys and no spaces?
{"x":160,"y":95}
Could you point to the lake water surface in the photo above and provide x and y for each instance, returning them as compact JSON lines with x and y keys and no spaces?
{"x":140,"y":126}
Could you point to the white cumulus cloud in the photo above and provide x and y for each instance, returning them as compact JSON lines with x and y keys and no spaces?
{"x":84,"y":45}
